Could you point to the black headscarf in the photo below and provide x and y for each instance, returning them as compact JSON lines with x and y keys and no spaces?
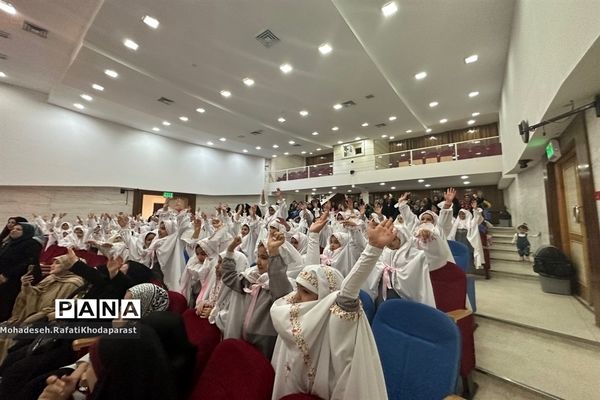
{"x":6,"y":231}
{"x":132,"y":369}
{"x":180,"y":352}
{"x":139,"y":273}
{"x":28,"y":232}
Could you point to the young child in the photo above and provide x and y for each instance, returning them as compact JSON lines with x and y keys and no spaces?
{"x":522,"y":242}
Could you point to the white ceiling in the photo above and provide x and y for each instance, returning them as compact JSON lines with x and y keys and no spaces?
{"x":203,"y":47}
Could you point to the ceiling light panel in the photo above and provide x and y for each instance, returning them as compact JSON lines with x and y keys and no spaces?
{"x":389,"y":9}
{"x":471,"y":59}
{"x":111,"y":73}
{"x":130,"y":44}
{"x":286,"y":68}
{"x":421,"y":75}
{"x":325,"y":49}
{"x":151,"y":21}
{"x":97,"y":87}
{"x":248,"y":81}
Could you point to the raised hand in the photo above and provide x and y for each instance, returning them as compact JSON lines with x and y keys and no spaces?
{"x":474,"y":204}
{"x":381,"y":235}
{"x":327,"y":207}
{"x":404,"y":197}
{"x":424,"y":235}
{"x":319,"y":223}
{"x":237,"y":240}
{"x":71,"y":258}
{"x":113,"y":265}
{"x":197,"y":223}
{"x":450,"y":195}
{"x":122,"y":220}
{"x":276,"y":239}
{"x":377,"y":208}
{"x":62,"y":215}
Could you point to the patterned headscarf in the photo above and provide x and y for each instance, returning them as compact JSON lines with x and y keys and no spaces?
{"x":152,"y":297}
{"x":320,"y":279}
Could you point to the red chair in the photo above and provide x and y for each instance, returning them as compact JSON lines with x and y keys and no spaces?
{"x":235,"y":371}
{"x":91,"y":259}
{"x":204,"y":335}
{"x":177,"y":302}
{"x":450,"y":292}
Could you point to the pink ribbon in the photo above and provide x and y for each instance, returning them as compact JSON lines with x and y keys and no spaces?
{"x":326,"y":260}
{"x":387,"y":280}
{"x":254,"y":291}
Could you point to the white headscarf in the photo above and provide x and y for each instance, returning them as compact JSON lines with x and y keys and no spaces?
{"x":340,"y":258}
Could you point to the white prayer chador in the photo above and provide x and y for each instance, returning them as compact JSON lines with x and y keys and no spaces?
{"x":75,"y":242}
{"x":169,"y":252}
{"x":302,"y":240}
{"x":321,"y":349}
{"x":290,"y":255}
{"x":340,"y":258}
{"x":471,"y":224}
{"x":137,"y":252}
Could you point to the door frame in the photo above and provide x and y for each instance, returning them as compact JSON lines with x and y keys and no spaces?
{"x":138,"y":195}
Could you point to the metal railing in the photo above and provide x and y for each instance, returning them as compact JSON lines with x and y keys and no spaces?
{"x":475,"y":148}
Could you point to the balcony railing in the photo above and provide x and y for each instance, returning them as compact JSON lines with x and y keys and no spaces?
{"x":404,"y":158}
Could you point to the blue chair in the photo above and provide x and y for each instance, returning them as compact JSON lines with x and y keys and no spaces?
{"x":419,"y":348}
{"x":368,"y":305}
{"x":462,"y":257}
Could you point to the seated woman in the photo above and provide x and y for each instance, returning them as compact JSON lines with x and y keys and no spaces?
{"x":325,"y":345}
{"x":261,"y":286}
{"x":152,"y":297}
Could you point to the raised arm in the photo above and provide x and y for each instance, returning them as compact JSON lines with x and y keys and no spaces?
{"x":446,"y":213}
{"x":279,"y":284}
{"x":313,"y":255}
{"x":231,"y":278}
{"x":410,"y":219}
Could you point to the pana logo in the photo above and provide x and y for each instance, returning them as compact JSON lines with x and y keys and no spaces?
{"x":97,"y":309}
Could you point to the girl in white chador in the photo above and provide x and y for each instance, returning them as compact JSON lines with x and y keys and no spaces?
{"x":325,"y":345}
{"x":466,"y":230}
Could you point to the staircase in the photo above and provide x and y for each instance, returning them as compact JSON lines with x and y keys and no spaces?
{"x":530,"y":344}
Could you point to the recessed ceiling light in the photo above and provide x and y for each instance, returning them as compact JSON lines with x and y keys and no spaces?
{"x":471,"y":59}
{"x":392,"y":118}
{"x":337,"y":106}
{"x":286,"y":153}
{"x":156,"y":129}
{"x":434,"y":104}
{"x":184,"y":119}
{"x":130,"y":44}
{"x":2,"y":74}
{"x":97,"y":87}
{"x":471,"y":131}
{"x":245,"y":151}
{"x":443,"y":120}
{"x":111,"y":73}
{"x":432,"y":138}
{"x":314,"y":190}
{"x":473,"y":94}
{"x":421,"y":75}
{"x":393,"y":188}
{"x":330,"y":192}
{"x":335,"y":128}
{"x":210,"y":143}
{"x":310,"y":153}
{"x":464,"y":177}
{"x":281,"y":120}
{"x":364,"y":124}
{"x":225,"y":93}
{"x":353,"y":186}
{"x":325,"y":48}
{"x":409,"y":131}
{"x":151,"y":22}
{"x":475,"y":114}
{"x":248,"y":81}
{"x":428,"y":130}
{"x":274,"y":156}
{"x":471,"y":121}
{"x":427,"y":185}
{"x":382,"y":184}
{"x":286,"y":68}
{"x":357,"y":138}
{"x":315,"y":133}
{"x":339,"y":142}
{"x":466,"y":182}
{"x":296,"y":190}
{"x":258,"y":147}
{"x":166,"y":123}
{"x":389,"y":9}
{"x":303,"y":113}
{"x":79,"y":106}
{"x":7,"y":7}
{"x":334,"y":187}
{"x":275,"y":146}
{"x":291,"y":142}
{"x":86,"y":97}
{"x":223,"y":139}
{"x":349,"y":190}
{"x":303,"y":152}
{"x":384,"y":136}
{"x":421,"y":180}
{"x":318,"y":149}
{"x":391,"y":137}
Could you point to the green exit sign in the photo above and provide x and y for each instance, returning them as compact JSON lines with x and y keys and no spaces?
{"x":168,"y":195}
{"x":550,"y":151}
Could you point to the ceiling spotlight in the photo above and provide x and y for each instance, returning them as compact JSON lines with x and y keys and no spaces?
{"x":473,"y":94}
{"x":248,"y":81}
{"x":335,"y":128}
{"x":291,"y":142}
{"x":97,"y":87}
{"x":384,"y":136}
{"x":303,"y":113}
{"x":330,"y":192}
{"x":2,"y":74}
{"x":409,"y":131}
{"x":339,"y":142}
{"x":311,"y":153}
{"x":315,"y":133}
{"x":275,"y":146}
{"x":200,"y":110}
{"x":382,"y":184}
{"x":464,"y":177}
{"x":258,"y":147}
{"x":151,"y":22}
{"x":471,"y":131}
{"x":111,"y":73}
{"x":432,"y":138}
{"x":281,"y":120}
{"x":349,"y":190}
{"x":428,"y":130}
{"x":443,"y":120}
{"x":392,"y":118}
{"x":427,"y":185}
{"x":166,"y":123}
{"x":421,"y":75}
{"x":421,"y":180}
{"x":210,"y":143}
{"x":471,"y":121}
{"x":245,"y":151}
{"x":318,"y":149}
{"x":391,"y":137}
{"x":389,"y":9}
{"x":223,"y":139}
{"x":337,"y":106}
{"x":433,"y":104}
{"x":393,"y":188}
{"x":274,"y":156}
{"x":184,"y":119}
{"x":286,"y":68}
{"x":334,"y":187}
{"x":86,"y":97}
{"x":79,"y":106}
{"x":353,"y":186}
{"x":357,"y":138}
{"x":7,"y":7}
{"x":325,"y":48}
{"x":296,"y":190}
{"x":364,"y":124}
{"x":314,"y":190}
{"x":471,"y":59}
{"x":225,"y":93}
{"x":303,"y":152}
{"x":286,"y":153}
{"x":466,"y":182}
{"x":156,"y":129}
{"x":130,"y":44}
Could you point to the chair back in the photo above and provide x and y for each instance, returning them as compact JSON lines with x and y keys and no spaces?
{"x":368,"y":305}
{"x":461,"y":254}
